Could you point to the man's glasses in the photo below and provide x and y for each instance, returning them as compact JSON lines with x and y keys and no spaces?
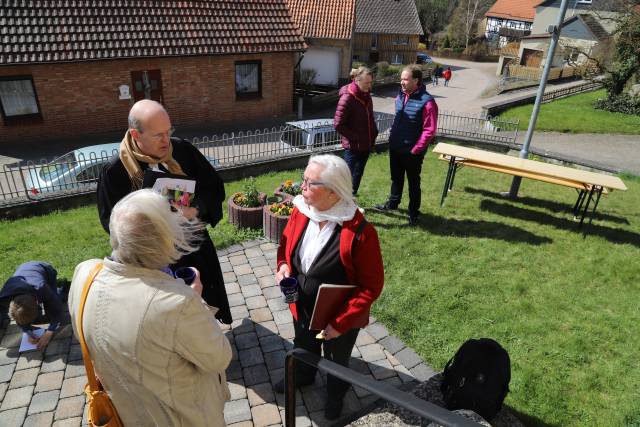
{"x":306,"y":182}
{"x":159,"y":136}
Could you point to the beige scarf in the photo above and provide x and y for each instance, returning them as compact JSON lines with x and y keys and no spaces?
{"x":130,"y":155}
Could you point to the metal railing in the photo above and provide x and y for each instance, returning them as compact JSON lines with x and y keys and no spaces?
{"x":572,"y":90}
{"x":74,"y":173}
{"x":391,"y":394}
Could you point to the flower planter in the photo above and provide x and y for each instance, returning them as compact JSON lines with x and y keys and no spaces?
{"x":273,"y":225}
{"x":285,"y":196}
{"x":246,"y":217}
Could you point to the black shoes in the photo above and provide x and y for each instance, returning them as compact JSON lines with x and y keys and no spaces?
{"x":333,"y":409}
{"x":414,"y":220}
{"x":386,"y":206}
{"x":279,"y":386}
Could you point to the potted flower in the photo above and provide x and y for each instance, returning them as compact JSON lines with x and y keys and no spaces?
{"x":274,"y":218}
{"x":245,"y":207}
{"x":288,"y":189}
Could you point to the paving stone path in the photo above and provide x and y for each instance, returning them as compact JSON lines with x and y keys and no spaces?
{"x":46,"y":388}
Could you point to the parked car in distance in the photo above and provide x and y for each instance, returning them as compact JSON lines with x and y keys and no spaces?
{"x":310,"y":133}
{"x":74,"y":169}
{"x":423,"y":58}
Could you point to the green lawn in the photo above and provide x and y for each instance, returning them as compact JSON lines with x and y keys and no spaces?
{"x":576,"y":114}
{"x":565,"y":307}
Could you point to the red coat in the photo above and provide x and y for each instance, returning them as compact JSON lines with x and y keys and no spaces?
{"x":363,"y":266}
{"x":447,"y":74}
{"x":354,"y":119}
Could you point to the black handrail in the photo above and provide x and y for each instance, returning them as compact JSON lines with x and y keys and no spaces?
{"x":406,"y":400}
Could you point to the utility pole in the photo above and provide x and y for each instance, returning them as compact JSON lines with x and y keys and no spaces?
{"x":555,"y":36}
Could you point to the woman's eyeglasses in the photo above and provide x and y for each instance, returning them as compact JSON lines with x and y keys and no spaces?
{"x":306,"y":182}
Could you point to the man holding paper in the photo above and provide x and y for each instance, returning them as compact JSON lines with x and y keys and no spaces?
{"x":148,"y":152}
{"x":32,"y":290}
{"x":328,"y":241}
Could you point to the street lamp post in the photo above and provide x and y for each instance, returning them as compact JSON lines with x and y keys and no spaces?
{"x":555,"y":36}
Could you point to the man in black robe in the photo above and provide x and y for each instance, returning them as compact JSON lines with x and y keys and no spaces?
{"x":148,"y":145}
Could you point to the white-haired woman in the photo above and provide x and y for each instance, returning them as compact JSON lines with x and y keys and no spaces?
{"x":156,"y":347}
{"x":327,"y":240}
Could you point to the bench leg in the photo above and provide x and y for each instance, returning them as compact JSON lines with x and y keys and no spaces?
{"x":450,"y":172}
{"x":453,"y":176}
{"x":593,"y":212}
{"x":578,"y":206}
{"x":586,"y":208}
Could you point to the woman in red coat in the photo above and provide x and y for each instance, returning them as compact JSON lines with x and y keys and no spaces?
{"x":354,"y":120}
{"x":327,"y":240}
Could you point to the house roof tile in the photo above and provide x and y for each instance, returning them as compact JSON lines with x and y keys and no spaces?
{"x":324,"y":19}
{"x":36,"y":31}
{"x":387,"y":17}
{"x":516,"y":10}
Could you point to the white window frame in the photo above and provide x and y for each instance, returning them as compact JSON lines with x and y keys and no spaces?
{"x":397,"y":58}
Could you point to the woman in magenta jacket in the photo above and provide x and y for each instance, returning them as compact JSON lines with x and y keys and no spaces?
{"x":327,"y":240}
{"x":354,"y":120}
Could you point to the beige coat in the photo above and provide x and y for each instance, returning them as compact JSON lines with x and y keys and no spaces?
{"x":156,"y":346}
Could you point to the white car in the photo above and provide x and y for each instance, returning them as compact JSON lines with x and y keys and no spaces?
{"x":310,"y":133}
{"x":74,"y":169}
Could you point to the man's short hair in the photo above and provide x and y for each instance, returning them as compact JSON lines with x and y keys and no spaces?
{"x":23,"y":309}
{"x":415,"y":70}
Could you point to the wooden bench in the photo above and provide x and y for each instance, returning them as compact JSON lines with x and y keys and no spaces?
{"x":586,"y":183}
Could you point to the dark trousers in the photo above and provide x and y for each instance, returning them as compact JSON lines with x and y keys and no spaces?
{"x":337,"y":350}
{"x":356,"y":161}
{"x":411,"y":165}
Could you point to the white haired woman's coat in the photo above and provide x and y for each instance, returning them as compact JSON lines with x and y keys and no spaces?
{"x":157,"y":348}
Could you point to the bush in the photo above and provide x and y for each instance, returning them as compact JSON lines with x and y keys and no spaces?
{"x":250,"y":197}
{"x":622,"y":103}
{"x":382,"y":68}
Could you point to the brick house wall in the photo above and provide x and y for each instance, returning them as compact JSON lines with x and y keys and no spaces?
{"x":82,"y":98}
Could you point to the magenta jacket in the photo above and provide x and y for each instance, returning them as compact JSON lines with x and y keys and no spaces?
{"x":354,"y":119}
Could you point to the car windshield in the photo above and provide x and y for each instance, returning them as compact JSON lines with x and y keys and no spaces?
{"x":58,"y":167}
{"x":292,"y":136}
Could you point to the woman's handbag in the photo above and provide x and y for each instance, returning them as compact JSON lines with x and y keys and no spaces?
{"x":101,"y":411}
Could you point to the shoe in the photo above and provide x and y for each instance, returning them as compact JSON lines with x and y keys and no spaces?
{"x":386,"y":206}
{"x":333,"y":409}
{"x":414,"y":221}
{"x":279,"y":386}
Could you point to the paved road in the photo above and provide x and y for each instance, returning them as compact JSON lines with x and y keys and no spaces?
{"x":472,"y":80}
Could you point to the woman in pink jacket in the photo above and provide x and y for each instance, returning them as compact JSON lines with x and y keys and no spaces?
{"x":354,"y":120}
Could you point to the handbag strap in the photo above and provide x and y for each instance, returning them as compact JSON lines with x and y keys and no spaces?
{"x":91,"y":375}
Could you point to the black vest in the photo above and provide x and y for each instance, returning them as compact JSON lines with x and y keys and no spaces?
{"x":326,"y":268}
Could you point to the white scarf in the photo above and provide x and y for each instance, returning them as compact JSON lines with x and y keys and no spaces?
{"x":338,"y":213}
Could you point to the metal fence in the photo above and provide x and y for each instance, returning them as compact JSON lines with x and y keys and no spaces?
{"x":75,"y":173}
{"x":587,"y":86}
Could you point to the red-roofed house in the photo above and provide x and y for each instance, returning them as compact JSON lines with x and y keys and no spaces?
{"x":509,"y":20}
{"x":70,"y":68}
{"x":327,"y":27}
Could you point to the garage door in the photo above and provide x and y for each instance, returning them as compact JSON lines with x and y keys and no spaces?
{"x":325,"y":62}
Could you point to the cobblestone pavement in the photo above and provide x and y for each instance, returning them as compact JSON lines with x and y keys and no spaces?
{"x":46,"y":388}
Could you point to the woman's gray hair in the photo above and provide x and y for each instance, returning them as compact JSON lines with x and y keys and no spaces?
{"x":335,"y":174}
{"x":147,"y":232}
